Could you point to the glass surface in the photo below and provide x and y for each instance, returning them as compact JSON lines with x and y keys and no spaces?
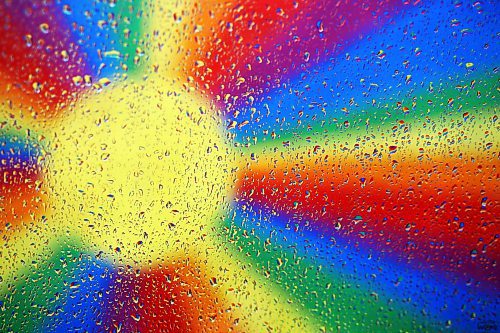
{"x":252,"y":166}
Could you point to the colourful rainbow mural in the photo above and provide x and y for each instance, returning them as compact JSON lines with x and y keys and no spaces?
{"x":252,"y":166}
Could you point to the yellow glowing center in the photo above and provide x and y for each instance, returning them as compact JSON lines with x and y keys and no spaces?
{"x":140,"y":170}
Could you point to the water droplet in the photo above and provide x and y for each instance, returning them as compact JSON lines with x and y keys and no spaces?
{"x":104,"y":81}
{"x":307,"y":55}
{"x":112,"y":54}
{"x":64,"y":55}
{"x":37,"y":87}
{"x":67,"y":10}
{"x":44,"y":28}
{"x":77,"y":80}
{"x":29,"y":40}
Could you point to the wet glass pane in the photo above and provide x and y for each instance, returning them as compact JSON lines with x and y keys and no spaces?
{"x":252,"y":166}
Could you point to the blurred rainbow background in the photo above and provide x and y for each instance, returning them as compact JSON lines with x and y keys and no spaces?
{"x":366,"y":185}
